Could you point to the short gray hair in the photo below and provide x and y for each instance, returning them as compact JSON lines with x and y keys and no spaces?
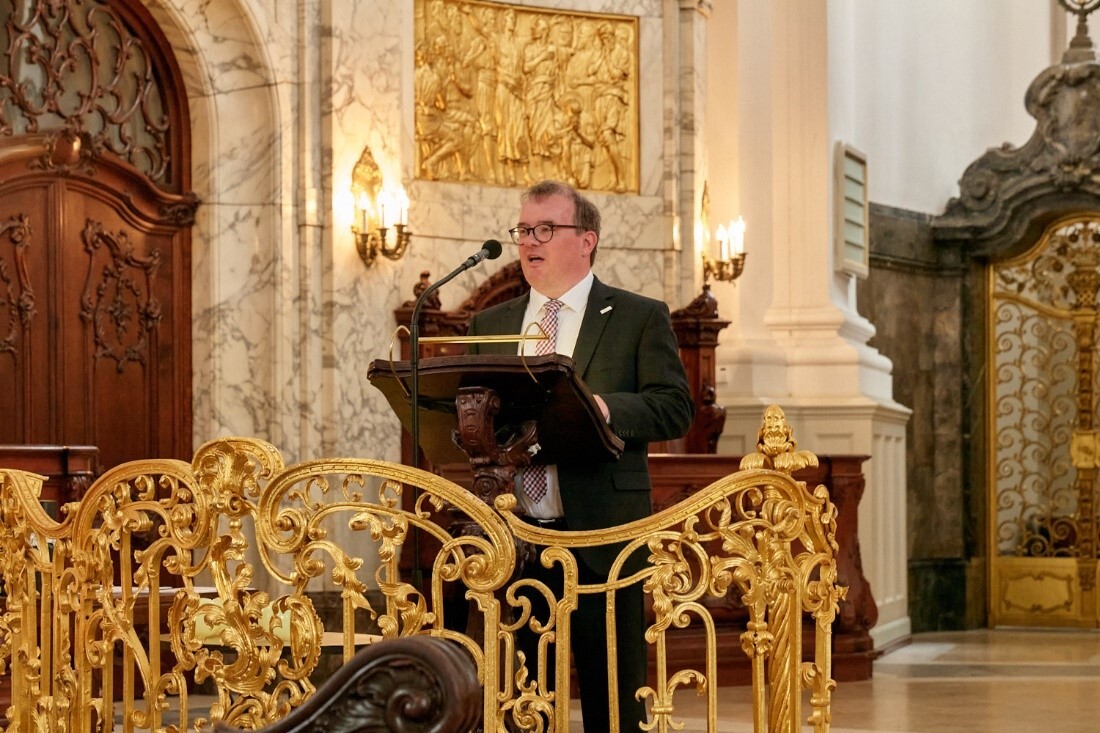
{"x":585,"y":214}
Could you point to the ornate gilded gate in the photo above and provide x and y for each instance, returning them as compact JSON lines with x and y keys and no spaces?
{"x":1043,"y":448}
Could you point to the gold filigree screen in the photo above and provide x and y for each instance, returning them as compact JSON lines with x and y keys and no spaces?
{"x":509,"y":95}
{"x":1044,"y":319}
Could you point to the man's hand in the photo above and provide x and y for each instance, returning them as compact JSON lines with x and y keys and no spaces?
{"x":603,"y":408}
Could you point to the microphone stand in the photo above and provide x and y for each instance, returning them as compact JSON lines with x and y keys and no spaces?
{"x":414,"y":395}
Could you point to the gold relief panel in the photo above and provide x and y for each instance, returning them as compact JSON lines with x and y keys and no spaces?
{"x":508,"y":95}
{"x":1040,"y":590}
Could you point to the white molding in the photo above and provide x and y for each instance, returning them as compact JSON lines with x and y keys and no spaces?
{"x":884,"y":634}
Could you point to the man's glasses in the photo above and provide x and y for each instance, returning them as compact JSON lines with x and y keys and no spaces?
{"x":542,"y":233}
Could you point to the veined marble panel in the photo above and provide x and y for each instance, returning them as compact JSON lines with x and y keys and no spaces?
{"x":286,"y":317}
{"x":228,"y":40}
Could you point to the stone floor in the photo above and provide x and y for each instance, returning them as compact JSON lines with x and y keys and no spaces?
{"x":982,"y":681}
{"x":985,"y":681}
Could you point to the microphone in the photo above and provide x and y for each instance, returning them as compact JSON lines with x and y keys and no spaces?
{"x":489,"y":251}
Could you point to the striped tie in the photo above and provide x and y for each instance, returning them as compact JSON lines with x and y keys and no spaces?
{"x":534,"y":477}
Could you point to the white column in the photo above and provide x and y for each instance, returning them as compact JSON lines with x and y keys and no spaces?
{"x":797,"y":339}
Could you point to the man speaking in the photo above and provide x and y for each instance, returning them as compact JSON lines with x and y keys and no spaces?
{"x":625,"y":351}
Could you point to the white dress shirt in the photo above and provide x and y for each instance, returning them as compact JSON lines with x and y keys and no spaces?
{"x":569,"y":328}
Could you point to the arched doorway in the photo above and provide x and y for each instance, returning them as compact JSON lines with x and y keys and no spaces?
{"x":95,"y":226}
{"x":1026,"y":231}
{"x":1043,"y":325}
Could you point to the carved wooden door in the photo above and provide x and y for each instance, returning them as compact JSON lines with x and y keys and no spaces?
{"x":1044,"y":329}
{"x":95,"y":216}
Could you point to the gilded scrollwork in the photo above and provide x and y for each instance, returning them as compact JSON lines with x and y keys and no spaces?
{"x":1044,"y":321}
{"x":233,"y":542}
{"x":759,"y":533}
{"x":509,"y":94}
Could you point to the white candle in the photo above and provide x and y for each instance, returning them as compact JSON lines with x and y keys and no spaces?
{"x":363,"y":208}
{"x":737,"y":235}
{"x":403,"y":206}
{"x":723,"y":238}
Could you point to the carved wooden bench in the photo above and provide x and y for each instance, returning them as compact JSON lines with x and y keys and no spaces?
{"x":416,"y":683}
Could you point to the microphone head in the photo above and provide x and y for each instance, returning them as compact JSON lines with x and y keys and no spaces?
{"x":492,"y":249}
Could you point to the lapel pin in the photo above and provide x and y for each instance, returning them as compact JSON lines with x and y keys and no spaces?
{"x":606,"y":309}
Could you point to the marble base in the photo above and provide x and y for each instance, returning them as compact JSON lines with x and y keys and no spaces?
{"x":947,"y":594}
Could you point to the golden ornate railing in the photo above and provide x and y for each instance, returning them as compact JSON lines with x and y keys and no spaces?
{"x":85,"y":649}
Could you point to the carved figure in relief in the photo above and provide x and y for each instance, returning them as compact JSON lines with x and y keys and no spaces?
{"x":459,"y":120}
{"x":577,"y":77}
{"x":479,"y":52}
{"x":611,"y":72}
{"x":428,"y":85}
{"x":525,"y":95}
{"x":511,"y":122}
{"x":576,"y":131}
{"x":435,"y":19}
{"x":540,"y":67}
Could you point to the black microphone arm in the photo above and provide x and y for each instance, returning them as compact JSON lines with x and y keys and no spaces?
{"x":490,"y":250}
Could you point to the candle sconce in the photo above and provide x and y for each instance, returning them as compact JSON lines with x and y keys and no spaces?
{"x":371,"y":244}
{"x":378,"y":211}
{"x":731,"y":248}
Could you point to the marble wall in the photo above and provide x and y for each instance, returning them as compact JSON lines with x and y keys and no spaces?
{"x":284,"y":96}
{"x":924,"y":344}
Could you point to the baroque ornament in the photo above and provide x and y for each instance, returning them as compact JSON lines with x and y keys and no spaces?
{"x":55,"y":75}
{"x":264,"y":534}
{"x":1057,"y":170}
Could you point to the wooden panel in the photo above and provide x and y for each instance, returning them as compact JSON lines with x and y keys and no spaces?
{"x":95,"y":152}
{"x":106,"y":359}
{"x":69,"y":469}
{"x":25,"y":284}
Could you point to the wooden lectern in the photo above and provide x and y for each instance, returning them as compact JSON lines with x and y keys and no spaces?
{"x":499,"y":413}
{"x":496,"y":414}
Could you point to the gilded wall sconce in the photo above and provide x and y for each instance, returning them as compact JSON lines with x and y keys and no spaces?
{"x":378,"y":212}
{"x":731,"y":253}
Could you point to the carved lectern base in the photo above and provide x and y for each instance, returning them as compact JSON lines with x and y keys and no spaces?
{"x":494,"y":464}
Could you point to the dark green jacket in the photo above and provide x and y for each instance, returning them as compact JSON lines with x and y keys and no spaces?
{"x":627,"y":354}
